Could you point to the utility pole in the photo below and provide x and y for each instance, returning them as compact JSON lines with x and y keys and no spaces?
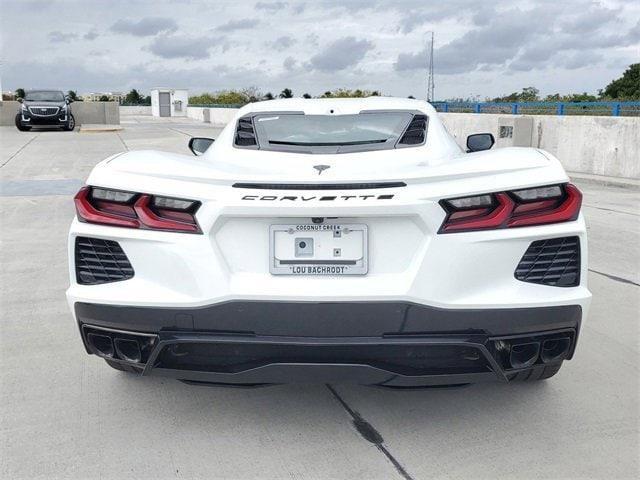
{"x":430,"y":80}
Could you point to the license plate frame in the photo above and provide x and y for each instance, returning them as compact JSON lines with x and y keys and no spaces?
{"x":326,"y":262}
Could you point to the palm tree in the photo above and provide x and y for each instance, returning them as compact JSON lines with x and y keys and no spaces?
{"x":286,"y":93}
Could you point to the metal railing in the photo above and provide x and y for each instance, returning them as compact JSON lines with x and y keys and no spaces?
{"x":615,"y":109}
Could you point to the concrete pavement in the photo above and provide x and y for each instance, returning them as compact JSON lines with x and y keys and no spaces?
{"x":65,"y":414}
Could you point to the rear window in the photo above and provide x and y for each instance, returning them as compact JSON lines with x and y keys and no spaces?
{"x":297,"y":132}
{"x":44,"y":96}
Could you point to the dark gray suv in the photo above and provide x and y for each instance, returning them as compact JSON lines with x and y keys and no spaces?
{"x":45,"y":108}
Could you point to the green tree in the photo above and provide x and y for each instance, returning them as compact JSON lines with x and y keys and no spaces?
{"x":224,"y":97}
{"x":268,"y":96}
{"x":104,"y":98}
{"x":528,"y":94}
{"x":286,"y":93}
{"x":20,"y":93}
{"x":73,"y":96}
{"x":626,"y":87}
{"x":306,"y":95}
{"x":133,"y":97}
{"x":346,"y":93}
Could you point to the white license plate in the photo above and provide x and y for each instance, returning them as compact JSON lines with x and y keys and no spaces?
{"x":318,"y":249}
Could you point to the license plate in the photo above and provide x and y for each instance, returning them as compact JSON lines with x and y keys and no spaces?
{"x":318,"y":249}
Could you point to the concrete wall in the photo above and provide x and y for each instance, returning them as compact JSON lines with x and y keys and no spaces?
{"x":8,"y":110}
{"x":218,"y":117}
{"x":135,"y":110}
{"x":596,"y":145}
{"x":84,"y":112}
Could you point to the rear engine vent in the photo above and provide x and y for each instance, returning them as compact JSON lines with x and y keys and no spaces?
{"x":319,"y":186}
{"x":100,"y":261}
{"x":554,"y":262}
{"x":416,"y":131}
{"x":245,"y":133}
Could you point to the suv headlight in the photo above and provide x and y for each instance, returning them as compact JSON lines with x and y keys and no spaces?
{"x":64,"y":107}
{"x":23,"y":107}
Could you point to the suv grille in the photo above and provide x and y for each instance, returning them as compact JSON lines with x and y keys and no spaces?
{"x":44,"y":111}
{"x":100,"y":261}
{"x":554,"y":262}
{"x":416,"y":131}
{"x":245,"y":133}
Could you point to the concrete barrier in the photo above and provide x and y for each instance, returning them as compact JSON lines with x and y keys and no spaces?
{"x":216,"y":116}
{"x":135,"y":110}
{"x":607,"y":146}
{"x":84,"y":112}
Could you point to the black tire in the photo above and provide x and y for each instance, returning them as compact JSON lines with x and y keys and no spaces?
{"x":20,"y":126}
{"x":539,"y":372}
{"x":71,"y":124}
{"x":122,"y":367}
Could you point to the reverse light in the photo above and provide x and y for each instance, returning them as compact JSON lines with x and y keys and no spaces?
{"x":517,"y":208}
{"x":136,"y":210}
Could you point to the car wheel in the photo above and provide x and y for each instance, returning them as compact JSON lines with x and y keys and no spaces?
{"x":71,"y":124}
{"x":20,"y":126}
{"x":122,"y":367}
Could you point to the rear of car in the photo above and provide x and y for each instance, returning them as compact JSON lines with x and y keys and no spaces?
{"x":331,"y":241}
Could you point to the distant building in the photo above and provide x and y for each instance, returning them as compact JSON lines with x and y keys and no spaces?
{"x":96,"y":96}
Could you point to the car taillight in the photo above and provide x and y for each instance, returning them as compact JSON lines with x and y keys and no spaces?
{"x":136,"y":210}
{"x":516,"y":208}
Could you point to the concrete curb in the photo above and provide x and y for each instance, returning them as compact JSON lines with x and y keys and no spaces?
{"x":92,"y":128}
{"x":631,"y":183}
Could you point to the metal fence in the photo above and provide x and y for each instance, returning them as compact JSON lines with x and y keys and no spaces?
{"x":615,"y":109}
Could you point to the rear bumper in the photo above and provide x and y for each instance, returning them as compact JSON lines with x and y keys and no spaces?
{"x":384,"y":343}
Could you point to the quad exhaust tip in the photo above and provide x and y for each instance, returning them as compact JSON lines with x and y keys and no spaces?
{"x":128,"y":350}
{"x":555,"y":349}
{"x":129,"y":347}
{"x":101,"y":344}
{"x":524,"y":355}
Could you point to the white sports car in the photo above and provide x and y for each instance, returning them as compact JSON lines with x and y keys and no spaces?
{"x":331,"y":240}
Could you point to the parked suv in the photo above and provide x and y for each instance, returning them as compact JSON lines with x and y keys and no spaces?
{"x":46,"y":108}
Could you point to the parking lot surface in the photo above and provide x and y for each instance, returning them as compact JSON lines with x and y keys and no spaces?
{"x":65,"y":414}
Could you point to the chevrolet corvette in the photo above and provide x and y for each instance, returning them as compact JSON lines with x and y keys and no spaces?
{"x":331,"y":240}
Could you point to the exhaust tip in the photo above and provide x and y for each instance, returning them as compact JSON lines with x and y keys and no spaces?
{"x":555,"y":349}
{"x":524,"y":355}
{"x":128,"y":350}
{"x":101,"y":344}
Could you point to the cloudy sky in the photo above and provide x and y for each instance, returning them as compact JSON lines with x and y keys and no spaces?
{"x":482,"y":48}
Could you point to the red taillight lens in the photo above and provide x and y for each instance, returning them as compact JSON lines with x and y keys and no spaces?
{"x":135,"y":210}
{"x":518,"y":208}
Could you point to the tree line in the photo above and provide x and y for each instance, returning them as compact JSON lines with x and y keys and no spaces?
{"x":627,"y":87}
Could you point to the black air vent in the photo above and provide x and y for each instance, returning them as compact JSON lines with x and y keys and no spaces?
{"x":245,"y":133}
{"x":416,"y":131}
{"x":554,"y":262}
{"x":100,"y":261}
{"x":319,"y":186}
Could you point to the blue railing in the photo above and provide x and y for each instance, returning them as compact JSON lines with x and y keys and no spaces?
{"x":615,"y":109}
